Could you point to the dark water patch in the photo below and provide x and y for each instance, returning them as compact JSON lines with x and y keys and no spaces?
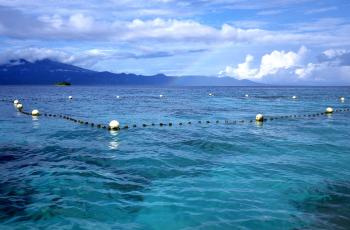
{"x":329,"y":207}
{"x":15,"y":197}
{"x":16,"y":193}
{"x":9,"y":153}
{"x":6,"y":158}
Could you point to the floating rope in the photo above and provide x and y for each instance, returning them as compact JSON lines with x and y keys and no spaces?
{"x":259,"y":118}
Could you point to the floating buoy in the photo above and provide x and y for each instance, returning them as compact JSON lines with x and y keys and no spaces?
{"x":161,"y":95}
{"x":342,"y":98}
{"x":114,"y":125}
{"x":329,"y":110}
{"x":35,"y":112}
{"x":259,"y":117}
{"x":15,"y":102}
{"x":246,"y":95}
{"x":117,"y":97}
{"x":19,"y":106}
{"x":210,"y":94}
{"x":70,"y":97}
{"x":294,"y":97}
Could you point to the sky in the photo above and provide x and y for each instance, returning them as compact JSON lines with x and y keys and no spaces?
{"x":275,"y":41}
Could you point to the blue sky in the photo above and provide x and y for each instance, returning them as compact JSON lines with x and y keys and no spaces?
{"x":283,"y":42}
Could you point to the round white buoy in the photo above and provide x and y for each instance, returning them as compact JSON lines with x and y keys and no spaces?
{"x":161,"y":95}
{"x":70,"y":97}
{"x":35,"y":112}
{"x":329,"y":110}
{"x":210,"y":94}
{"x":19,"y":106}
{"x":246,"y":95}
{"x":294,"y":97}
{"x":259,"y":117}
{"x":342,"y":98}
{"x":15,"y":102}
{"x":117,"y":97}
{"x":114,"y":125}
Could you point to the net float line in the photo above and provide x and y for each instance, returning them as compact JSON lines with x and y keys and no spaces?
{"x":113,"y":97}
{"x":114,"y":124}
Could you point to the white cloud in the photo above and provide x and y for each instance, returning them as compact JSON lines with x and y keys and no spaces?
{"x":332,"y":53}
{"x":243,"y":70}
{"x":167,"y":29}
{"x":82,"y":26}
{"x":307,"y":70}
{"x":270,"y":64}
{"x":324,"y":72}
{"x":336,"y":59}
{"x":87,"y":58}
{"x":290,"y":67}
{"x":277,"y":60}
{"x":81,"y":22}
{"x":35,"y":54}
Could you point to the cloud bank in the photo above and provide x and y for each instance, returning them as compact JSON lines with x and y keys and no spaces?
{"x":198,"y":37}
{"x":79,"y":26}
{"x":333,"y":66}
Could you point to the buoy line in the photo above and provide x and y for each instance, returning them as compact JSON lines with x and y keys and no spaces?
{"x":69,"y":98}
{"x":114,"y":124}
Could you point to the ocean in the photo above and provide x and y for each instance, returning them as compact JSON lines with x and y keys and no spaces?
{"x":289,"y":173}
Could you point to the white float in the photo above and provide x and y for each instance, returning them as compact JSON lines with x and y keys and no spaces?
{"x":210,"y":94}
{"x":117,"y":97}
{"x":70,"y":97}
{"x":161,"y":95}
{"x":294,"y":97}
{"x":342,"y":98}
{"x":35,"y":112}
{"x":329,"y":110}
{"x":246,"y":95}
{"x":19,"y":106}
{"x":15,"y":102}
{"x":259,"y":117}
{"x":114,"y":125}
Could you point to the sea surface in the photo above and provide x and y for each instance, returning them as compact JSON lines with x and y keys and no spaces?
{"x":282,"y":174}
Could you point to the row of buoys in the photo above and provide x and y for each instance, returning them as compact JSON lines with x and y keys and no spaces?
{"x":19,"y":106}
{"x":260,"y":118}
{"x":211,"y":94}
{"x":115,"y":125}
{"x":342,"y":99}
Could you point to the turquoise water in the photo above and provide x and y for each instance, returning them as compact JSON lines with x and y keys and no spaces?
{"x":284,"y":174}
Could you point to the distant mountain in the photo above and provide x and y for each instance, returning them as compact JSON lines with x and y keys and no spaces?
{"x":48,"y":72}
